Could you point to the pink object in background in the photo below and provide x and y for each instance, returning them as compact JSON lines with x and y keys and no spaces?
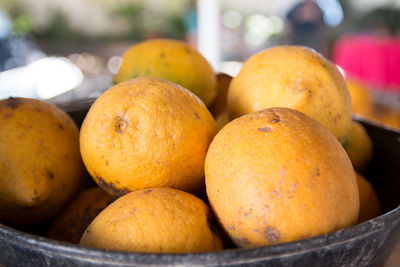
{"x":373,"y":60}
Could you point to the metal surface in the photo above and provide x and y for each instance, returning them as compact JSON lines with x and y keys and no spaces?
{"x":367,"y":244}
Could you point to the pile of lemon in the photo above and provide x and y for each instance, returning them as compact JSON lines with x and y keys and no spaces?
{"x":273,"y":151}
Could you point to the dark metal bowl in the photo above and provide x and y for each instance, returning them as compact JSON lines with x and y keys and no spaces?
{"x":366,"y":244}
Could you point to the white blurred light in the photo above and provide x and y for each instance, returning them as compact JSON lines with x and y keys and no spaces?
{"x":113,"y":64}
{"x":341,"y":70}
{"x":277,"y":24}
{"x":92,"y":64}
{"x":44,"y":78}
{"x":77,"y":59}
{"x":208,"y":32}
{"x":259,"y":24}
{"x":60,"y":76}
{"x":231,"y":68}
{"x":333,"y":12}
{"x":259,"y":29}
{"x":253,"y":39}
{"x":86,"y":62}
{"x":232,"y":19}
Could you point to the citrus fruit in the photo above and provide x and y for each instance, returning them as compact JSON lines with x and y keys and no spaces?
{"x":369,"y":203}
{"x":147,"y":132}
{"x":158,"y":220}
{"x":361,"y":98}
{"x":73,"y":220}
{"x":359,"y":147}
{"x":172,"y":60}
{"x":294,"y":77}
{"x":41,"y":166}
{"x":277,"y":175}
{"x":386,"y":115}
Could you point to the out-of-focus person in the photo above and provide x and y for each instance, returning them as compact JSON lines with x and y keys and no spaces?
{"x":307,"y":26}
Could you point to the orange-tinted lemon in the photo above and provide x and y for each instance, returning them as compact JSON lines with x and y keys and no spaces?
{"x":277,"y":175}
{"x":359,"y":147}
{"x":41,"y":166}
{"x":294,"y":77}
{"x":147,"y":132}
{"x":172,"y":60}
{"x":370,"y":206}
{"x":361,"y":98}
{"x":70,"y":224}
{"x":159,"y":220}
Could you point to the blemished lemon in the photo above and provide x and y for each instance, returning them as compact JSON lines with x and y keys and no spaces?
{"x":276,"y":176}
{"x":370,"y":206}
{"x":359,"y":147}
{"x":294,"y":77}
{"x":158,"y":220}
{"x":72,"y":221}
{"x":41,"y":164}
{"x":172,"y":60}
{"x":147,"y":132}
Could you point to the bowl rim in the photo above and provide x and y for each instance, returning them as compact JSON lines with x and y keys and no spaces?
{"x":228,"y":256}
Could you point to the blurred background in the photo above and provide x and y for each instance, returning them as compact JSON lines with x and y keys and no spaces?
{"x":68,"y":50}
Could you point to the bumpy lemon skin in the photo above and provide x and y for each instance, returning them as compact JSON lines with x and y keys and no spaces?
{"x":157,"y":220}
{"x":147,"y":132}
{"x":41,"y":167}
{"x":294,"y":77}
{"x":172,"y":60}
{"x":276,"y":176}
